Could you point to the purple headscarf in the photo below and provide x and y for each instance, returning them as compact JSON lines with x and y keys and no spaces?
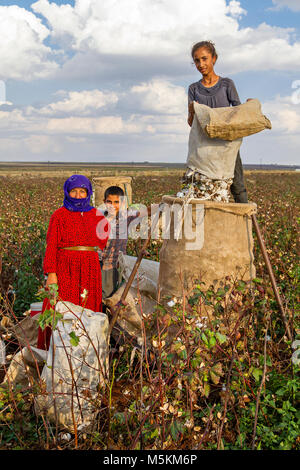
{"x":73,"y":204}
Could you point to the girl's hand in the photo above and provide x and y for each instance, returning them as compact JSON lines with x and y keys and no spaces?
{"x":190,"y":119}
{"x":191,"y":114}
{"x":52,"y":279}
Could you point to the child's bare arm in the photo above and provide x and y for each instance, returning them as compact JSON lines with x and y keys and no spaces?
{"x":51,"y":279}
{"x":191,"y":112}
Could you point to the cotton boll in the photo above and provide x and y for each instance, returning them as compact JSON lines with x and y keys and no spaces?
{"x":223,"y":193}
{"x":65,"y":437}
{"x":188,"y":173}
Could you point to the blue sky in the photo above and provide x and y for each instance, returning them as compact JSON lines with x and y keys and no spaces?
{"x":98,"y":81}
{"x":259,"y":11}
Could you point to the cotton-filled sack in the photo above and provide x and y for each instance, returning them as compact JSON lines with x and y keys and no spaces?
{"x":222,"y":246}
{"x":214,"y":158}
{"x":72,"y":374}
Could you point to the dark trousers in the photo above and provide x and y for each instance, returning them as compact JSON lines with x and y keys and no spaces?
{"x":238,"y":189}
{"x":111,"y":280}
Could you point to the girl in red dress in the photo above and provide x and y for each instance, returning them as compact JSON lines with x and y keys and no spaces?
{"x":75,"y":234}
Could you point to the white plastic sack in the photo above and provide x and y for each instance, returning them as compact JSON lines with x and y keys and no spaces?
{"x":214,"y":158}
{"x":130,"y":316}
{"x":146,"y":278}
{"x":25,"y":367}
{"x":72,"y":374}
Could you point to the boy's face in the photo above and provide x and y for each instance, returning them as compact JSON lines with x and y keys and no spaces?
{"x":113,"y":204}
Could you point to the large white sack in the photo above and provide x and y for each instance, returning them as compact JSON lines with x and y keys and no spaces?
{"x":72,"y":374}
{"x":214,"y":158}
{"x":146,"y":278}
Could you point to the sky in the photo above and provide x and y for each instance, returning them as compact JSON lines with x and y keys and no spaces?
{"x":90,"y":80}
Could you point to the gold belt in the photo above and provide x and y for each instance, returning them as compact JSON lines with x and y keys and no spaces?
{"x":79,"y":248}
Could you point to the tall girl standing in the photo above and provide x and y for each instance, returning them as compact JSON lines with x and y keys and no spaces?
{"x":216,"y":92}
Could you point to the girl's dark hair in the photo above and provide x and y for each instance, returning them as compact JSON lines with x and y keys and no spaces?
{"x":209,"y":45}
{"x":113,"y":191}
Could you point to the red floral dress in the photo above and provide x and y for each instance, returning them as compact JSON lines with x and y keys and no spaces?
{"x":76,"y":270}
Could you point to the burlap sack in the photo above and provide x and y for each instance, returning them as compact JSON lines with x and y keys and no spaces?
{"x":101,"y":183}
{"x":213,"y":158}
{"x":226,"y":248}
{"x":234,"y":122}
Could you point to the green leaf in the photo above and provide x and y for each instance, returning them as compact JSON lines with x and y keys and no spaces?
{"x":154,"y":433}
{"x":174,"y":431}
{"x":221,"y":338}
{"x":74,"y":340}
{"x":204,"y":339}
{"x":49,"y":318}
{"x":206,"y":389}
{"x":183,"y":354}
{"x":170,"y":357}
{"x":256,"y":374}
{"x":195,"y":362}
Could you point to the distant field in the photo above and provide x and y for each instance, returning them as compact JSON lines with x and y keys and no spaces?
{"x":90,"y":170}
{"x":43,"y":170}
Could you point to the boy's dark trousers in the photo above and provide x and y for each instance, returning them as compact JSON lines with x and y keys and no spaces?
{"x":238,"y":188}
{"x":111,"y":280}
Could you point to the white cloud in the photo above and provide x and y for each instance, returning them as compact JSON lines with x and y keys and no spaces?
{"x":23,"y":54}
{"x":133,"y":26}
{"x":114,"y":125}
{"x":81,"y":118}
{"x":82,"y":103}
{"x":167,"y":28}
{"x":160,"y":96}
{"x":284,"y":115}
{"x":155,"y":130}
{"x":292,"y":4}
{"x":235,"y":10}
{"x":158,"y":105}
{"x":97,"y":37}
{"x":39,"y":144}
